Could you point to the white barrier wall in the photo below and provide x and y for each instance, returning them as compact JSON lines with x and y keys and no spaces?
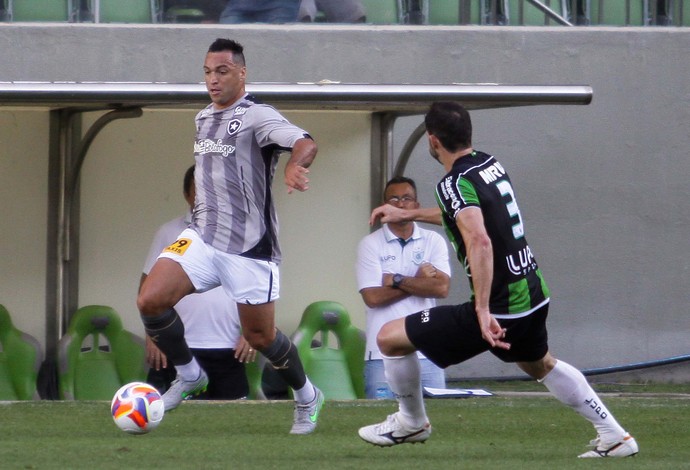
{"x":23,"y":211}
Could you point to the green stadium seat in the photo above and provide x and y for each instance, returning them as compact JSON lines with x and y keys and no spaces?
{"x":616,"y":13}
{"x":451,"y":12}
{"x":40,"y":10}
{"x":337,"y":371}
{"x":97,"y":356}
{"x":20,"y":361}
{"x":128,"y":11}
{"x":254,"y":372}
{"x":383,"y":11}
{"x":444,"y":12}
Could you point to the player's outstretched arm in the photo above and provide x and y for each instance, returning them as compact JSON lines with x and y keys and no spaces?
{"x":388,"y":213}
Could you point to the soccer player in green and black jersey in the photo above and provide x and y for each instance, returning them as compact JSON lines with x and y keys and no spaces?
{"x":478,"y":180}
{"x":510,"y":300}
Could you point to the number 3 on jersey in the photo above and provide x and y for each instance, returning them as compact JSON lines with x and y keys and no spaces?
{"x":506,"y":189}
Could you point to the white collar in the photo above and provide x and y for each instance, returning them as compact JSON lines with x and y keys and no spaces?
{"x":390,"y":236}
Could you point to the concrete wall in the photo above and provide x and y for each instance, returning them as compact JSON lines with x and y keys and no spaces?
{"x":603,"y":188}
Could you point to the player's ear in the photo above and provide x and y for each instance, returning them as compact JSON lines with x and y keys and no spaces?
{"x":434,"y":142}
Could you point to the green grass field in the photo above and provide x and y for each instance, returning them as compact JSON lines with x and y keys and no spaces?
{"x":505,"y":431}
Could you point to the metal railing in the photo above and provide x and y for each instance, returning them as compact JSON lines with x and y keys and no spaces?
{"x":499,"y":11}
{"x":579,"y":12}
{"x":482,"y":12}
{"x":557,"y":12}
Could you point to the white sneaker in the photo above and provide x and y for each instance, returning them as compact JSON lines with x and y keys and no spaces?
{"x":623,"y":448}
{"x":391,"y":432}
{"x":183,"y":390}
{"x":307,"y":415}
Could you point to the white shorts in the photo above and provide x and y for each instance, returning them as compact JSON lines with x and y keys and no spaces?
{"x":248,"y":281}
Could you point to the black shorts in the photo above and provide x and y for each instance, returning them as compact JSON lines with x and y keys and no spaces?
{"x":226,"y":375}
{"x":227,"y":379}
{"x":450,"y":335}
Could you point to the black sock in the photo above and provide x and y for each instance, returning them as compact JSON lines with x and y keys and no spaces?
{"x":167,"y":331}
{"x":282,"y":355}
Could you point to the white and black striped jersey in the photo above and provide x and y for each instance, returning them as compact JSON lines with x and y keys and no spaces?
{"x":236,"y":151}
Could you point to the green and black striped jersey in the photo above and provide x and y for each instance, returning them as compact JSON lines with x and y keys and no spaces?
{"x":479,"y":180}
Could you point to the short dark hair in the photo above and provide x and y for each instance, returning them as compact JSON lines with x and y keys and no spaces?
{"x":401,"y":180}
{"x":188,"y":180}
{"x":222,"y":44}
{"x":451,"y":124}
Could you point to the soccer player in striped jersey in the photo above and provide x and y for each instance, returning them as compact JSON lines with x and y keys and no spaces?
{"x":233,"y":239}
{"x":507,"y":312}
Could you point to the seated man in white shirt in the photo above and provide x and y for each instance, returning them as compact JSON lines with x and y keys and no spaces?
{"x":401,"y":268}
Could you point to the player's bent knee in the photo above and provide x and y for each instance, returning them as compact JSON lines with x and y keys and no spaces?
{"x":386,"y":340}
{"x":143,"y":305}
{"x":150,"y":306}
{"x":392,"y":339}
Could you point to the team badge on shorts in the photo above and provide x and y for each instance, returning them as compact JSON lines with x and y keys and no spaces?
{"x":179,"y":247}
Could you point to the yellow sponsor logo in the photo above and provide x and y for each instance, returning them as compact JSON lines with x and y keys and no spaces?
{"x":179,"y":247}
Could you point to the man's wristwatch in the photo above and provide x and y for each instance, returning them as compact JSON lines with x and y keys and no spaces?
{"x":397,"y":280}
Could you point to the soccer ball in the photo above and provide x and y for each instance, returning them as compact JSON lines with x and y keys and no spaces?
{"x":137,"y":408}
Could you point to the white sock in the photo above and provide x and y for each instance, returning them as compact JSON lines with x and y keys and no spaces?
{"x":190,"y":371}
{"x":404,"y":379}
{"x":570,"y":387}
{"x":306,"y":394}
